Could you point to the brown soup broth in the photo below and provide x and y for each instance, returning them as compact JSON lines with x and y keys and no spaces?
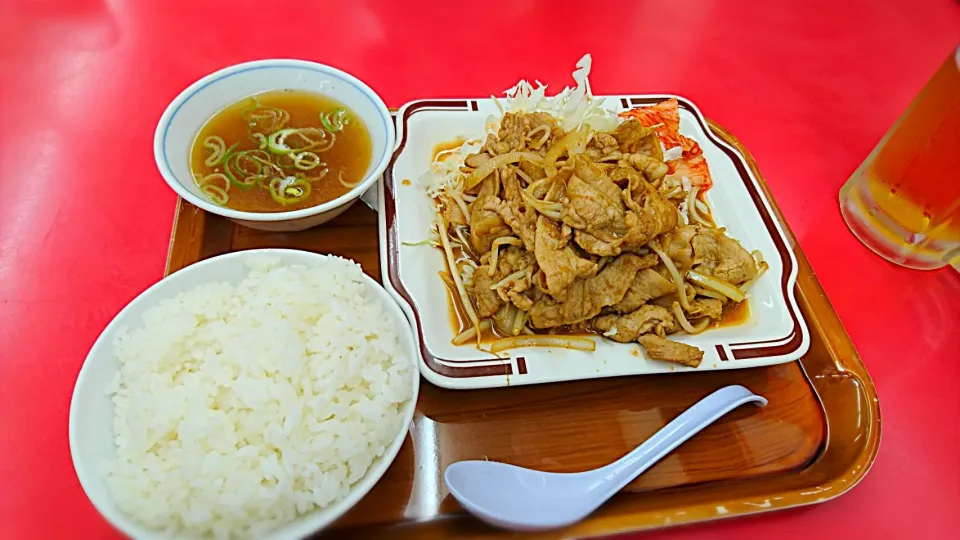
{"x":347,"y":159}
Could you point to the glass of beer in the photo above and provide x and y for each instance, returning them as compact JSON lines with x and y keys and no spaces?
{"x":903,"y":202}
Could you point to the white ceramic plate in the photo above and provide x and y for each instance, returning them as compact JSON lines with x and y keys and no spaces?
{"x":775,"y":332}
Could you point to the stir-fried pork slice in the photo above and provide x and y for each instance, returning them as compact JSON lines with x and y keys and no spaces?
{"x":593,"y":206}
{"x":487,"y":300}
{"x":521,"y":300}
{"x":494,"y":146}
{"x":711,"y":252}
{"x":678,"y":245}
{"x":515,"y":212}
{"x":528,"y":131}
{"x":624,"y":176}
{"x":560,"y":264}
{"x":723,"y":257}
{"x":585,"y":297}
{"x":648,"y":284}
{"x":485,"y":224}
{"x":705,"y":307}
{"x":633,"y":138}
{"x":652,"y":214}
{"x":653,"y":169}
{"x":659,"y":348}
{"x":603,"y":147}
{"x":627,"y":328}
{"x":598,"y":246}
{"x":512,"y":260}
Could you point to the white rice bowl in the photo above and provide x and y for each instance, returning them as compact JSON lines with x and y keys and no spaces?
{"x":240,"y":407}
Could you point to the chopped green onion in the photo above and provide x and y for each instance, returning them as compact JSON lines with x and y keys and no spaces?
{"x":335,"y":120}
{"x":277,"y":142}
{"x":264,"y":119}
{"x":245,"y":165}
{"x":270,"y":164}
{"x":306,"y":161}
{"x":218,"y":149}
{"x":289,"y":190}
{"x":260,"y":139}
{"x":215,"y":194}
{"x":213,"y":177}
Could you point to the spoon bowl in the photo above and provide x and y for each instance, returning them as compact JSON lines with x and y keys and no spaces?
{"x":523,"y":499}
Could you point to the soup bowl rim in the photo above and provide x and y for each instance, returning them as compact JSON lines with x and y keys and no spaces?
{"x":380,"y":160}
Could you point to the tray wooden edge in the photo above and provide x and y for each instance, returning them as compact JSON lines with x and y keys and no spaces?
{"x":615,"y":518}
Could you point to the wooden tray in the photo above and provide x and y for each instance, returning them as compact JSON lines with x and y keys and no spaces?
{"x":750,"y":461}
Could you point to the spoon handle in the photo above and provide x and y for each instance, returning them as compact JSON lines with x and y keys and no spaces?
{"x":621,"y":472}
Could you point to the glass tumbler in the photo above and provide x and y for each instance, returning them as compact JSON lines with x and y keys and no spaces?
{"x":903,"y":202}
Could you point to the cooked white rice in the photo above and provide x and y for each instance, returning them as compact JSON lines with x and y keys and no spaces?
{"x":240,"y":407}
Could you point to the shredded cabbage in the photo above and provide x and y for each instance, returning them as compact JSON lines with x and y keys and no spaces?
{"x":445,"y":170}
{"x":572,"y":106}
{"x":673,"y":153}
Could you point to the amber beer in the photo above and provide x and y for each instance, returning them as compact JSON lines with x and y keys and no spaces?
{"x":903,"y":202}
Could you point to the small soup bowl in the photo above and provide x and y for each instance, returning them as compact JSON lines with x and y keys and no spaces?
{"x":186,"y":115}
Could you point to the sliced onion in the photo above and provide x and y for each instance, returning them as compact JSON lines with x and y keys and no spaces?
{"x":711,"y":294}
{"x":487,"y":167}
{"x":520,"y":322}
{"x":672,"y":192}
{"x":551,"y":210}
{"x":565,"y":144}
{"x":531,"y":190}
{"x":674,"y":273}
{"x":725,"y":288}
{"x":546,"y":134}
{"x":516,"y":276}
{"x":565,"y":342}
{"x":525,"y":176}
{"x":470,"y":333}
{"x":692,"y":201}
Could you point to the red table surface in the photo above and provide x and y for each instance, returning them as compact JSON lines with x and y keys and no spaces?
{"x":809,"y":87}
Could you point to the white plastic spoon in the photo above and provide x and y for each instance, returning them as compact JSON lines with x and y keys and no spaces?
{"x":526,"y":500}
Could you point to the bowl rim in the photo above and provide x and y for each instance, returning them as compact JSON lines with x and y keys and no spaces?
{"x":187,"y":93}
{"x":318,"y":518}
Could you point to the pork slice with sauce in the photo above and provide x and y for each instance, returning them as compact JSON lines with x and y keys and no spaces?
{"x":659,"y":348}
{"x":560,"y":264}
{"x":486,"y":225}
{"x":644,"y":320}
{"x":585,"y":297}
{"x":647,"y":285}
{"x":521,"y":218}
